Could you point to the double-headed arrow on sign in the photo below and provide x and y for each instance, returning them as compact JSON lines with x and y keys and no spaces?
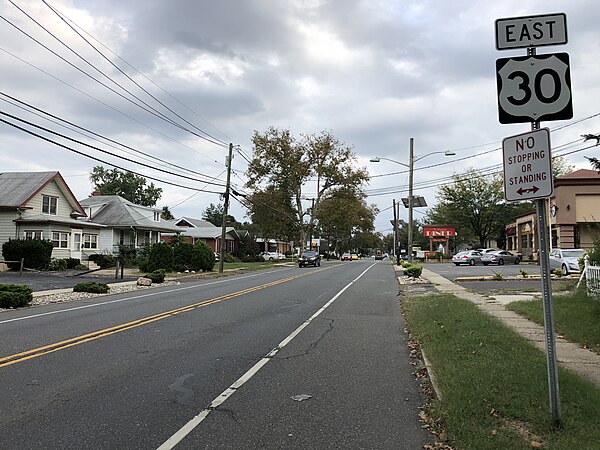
{"x":522,"y":191}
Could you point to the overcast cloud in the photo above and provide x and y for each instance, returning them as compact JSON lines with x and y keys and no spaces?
{"x":373,"y":73}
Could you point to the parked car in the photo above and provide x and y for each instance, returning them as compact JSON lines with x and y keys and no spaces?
{"x":483,"y":251}
{"x":470,"y":257}
{"x":499,"y":257}
{"x":566,"y":260}
{"x":272,"y":256}
{"x":309,"y":259}
{"x":354,"y":256}
{"x":346,"y":257}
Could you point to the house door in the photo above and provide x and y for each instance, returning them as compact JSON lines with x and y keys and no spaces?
{"x":76,"y":247}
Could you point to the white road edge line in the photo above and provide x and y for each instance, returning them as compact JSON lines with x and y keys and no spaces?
{"x":75,"y":308}
{"x":221,"y":398}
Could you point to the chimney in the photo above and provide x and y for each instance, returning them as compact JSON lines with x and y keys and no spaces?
{"x":96,"y":193}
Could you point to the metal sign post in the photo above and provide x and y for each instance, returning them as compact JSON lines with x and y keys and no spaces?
{"x":516,"y":103}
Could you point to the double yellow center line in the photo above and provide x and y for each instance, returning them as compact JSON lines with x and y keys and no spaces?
{"x":78,"y":340}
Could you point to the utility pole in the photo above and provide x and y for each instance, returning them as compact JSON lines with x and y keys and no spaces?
{"x":225,"y":210}
{"x":395,"y":230}
{"x":312,"y":215}
{"x":411,"y":161}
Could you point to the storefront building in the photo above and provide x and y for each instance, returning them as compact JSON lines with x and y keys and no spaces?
{"x":574,"y":217}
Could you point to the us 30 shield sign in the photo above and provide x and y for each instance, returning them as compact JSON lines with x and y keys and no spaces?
{"x":534,"y":88}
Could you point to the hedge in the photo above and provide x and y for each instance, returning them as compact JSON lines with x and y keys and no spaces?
{"x":91,"y":286}
{"x":15,"y":295}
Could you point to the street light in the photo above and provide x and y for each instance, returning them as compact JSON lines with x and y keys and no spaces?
{"x":410,"y":165}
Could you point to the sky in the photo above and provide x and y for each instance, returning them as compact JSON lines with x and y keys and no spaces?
{"x":169,"y":84}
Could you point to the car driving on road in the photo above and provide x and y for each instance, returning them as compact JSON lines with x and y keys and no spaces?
{"x":499,"y":257}
{"x":470,"y":257}
{"x":309,"y":259}
{"x":346,"y":257}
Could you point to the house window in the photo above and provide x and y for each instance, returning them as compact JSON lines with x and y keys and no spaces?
{"x":32,"y":234}
{"x":121,"y":237}
{"x":49,"y":205}
{"x":90,"y":241}
{"x":146,"y":237}
{"x":524,"y":241}
{"x":60,"y":240}
{"x":156,"y":216}
{"x":231,"y":245}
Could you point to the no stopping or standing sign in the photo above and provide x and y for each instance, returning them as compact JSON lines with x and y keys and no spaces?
{"x":527,"y":166}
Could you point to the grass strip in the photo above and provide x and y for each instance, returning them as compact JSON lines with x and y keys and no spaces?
{"x":576,"y":317}
{"x":494,"y":383}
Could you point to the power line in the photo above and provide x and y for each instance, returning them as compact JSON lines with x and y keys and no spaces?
{"x":41,"y":113}
{"x":106,"y":104}
{"x":65,"y":17}
{"x":90,"y":146}
{"x":126,"y":75}
{"x":149,"y":109}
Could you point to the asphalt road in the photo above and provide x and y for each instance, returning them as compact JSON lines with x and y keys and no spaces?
{"x":216,"y":364}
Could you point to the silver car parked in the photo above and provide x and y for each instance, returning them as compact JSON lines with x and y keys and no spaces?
{"x":500,"y":257}
{"x":470,"y":257}
{"x":566,"y":260}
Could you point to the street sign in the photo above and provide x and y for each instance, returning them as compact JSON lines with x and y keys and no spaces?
{"x":527,"y":166}
{"x":531,"y":31}
{"x":534,"y":88}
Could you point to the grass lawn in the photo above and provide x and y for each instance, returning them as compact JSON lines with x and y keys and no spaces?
{"x":250,"y":265}
{"x":494,"y":384}
{"x":576,"y":317}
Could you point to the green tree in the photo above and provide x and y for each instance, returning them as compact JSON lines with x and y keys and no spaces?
{"x":272,"y":214}
{"x":125,"y":184}
{"x":593,"y":161}
{"x":214,"y":214}
{"x":166,"y":213}
{"x":286,"y":164}
{"x":345,"y":218}
{"x":474,"y":205}
{"x":561,"y":166}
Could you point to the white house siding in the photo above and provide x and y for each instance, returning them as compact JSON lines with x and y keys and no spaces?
{"x":105,"y":241}
{"x":63,"y":208}
{"x":7,"y":226}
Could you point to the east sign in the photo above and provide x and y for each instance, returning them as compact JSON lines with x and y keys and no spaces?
{"x":531,"y":31}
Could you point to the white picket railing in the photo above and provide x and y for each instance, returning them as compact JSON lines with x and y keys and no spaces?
{"x":591,"y":273}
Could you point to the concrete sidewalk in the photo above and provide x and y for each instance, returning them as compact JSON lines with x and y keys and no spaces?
{"x":570,"y":356}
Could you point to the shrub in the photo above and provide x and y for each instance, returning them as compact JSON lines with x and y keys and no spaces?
{"x":182,"y":256}
{"x":80,"y":267}
{"x":14,"y":295}
{"x":413,"y":271}
{"x":160,"y":257}
{"x":72,"y":263}
{"x":498,"y":275}
{"x":57,"y":264}
{"x":158,"y":276}
{"x":229,"y":258}
{"x":91,"y":286}
{"x":36,"y":253}
{"x":559,"y":273}
{"x":203,"y":257}
{"x":523,"y":273}
{"x":103,"y":260}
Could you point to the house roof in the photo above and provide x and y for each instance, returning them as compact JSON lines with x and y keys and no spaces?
{"x":72,"y":222}
{"x":204,"y":232}
{"x":195,"y":223}
{"x":581,"y":173}
{"x":579,"y":177}
{"x":18,"y":188}
{"x":115,"y":211}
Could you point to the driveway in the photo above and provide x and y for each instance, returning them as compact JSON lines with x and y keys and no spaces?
{"x":44,"y":281}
